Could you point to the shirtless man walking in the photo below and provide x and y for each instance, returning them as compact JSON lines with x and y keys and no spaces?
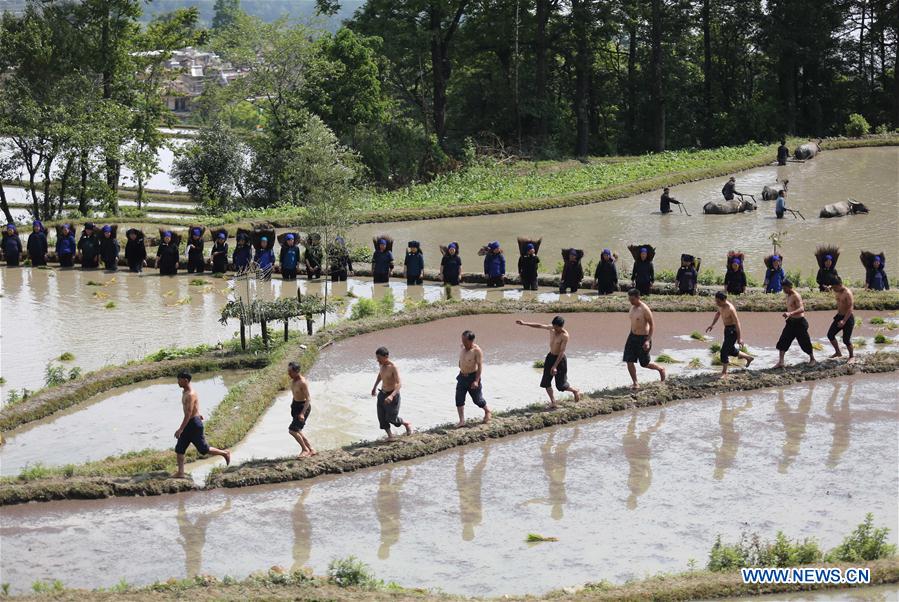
{"x":733,"y":332}
{"x":191,"y":429}
{"x":844,"y":320}
{"x":389,"y":395}
{"x":300,"y":408}
{"x":639,"y":341}
{"x":468,"y":382}
{"x":796,"y":326}
{"x":556,"y":363}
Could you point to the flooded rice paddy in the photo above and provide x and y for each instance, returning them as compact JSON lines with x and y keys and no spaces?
{"x":137,"y":417}
{"x":627,"y":495}
{"x":869,"y":175}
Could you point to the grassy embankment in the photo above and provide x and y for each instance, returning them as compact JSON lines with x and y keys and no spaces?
{"x":247,"y":401}
{"x":528,"y":186}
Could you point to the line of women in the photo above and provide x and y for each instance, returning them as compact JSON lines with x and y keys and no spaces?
{"x":256,"y":249}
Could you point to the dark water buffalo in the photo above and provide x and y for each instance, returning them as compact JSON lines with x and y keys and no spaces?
{"x":807,"y":151}
{"x":727,"y":207}
{"x":849,"y":207}
{"x":770,"y":191}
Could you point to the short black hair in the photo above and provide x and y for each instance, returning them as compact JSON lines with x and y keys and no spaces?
{"x":836,"y":281}
{"x":787,"y":283}
{"x":633,"y":293}
{"x":294,"y":366}
{"x":721,"y":296}
{"x":185,"y":375}
{"x":468,"y":335}
{"x":558,"y":321}
{"x":382,"y":351}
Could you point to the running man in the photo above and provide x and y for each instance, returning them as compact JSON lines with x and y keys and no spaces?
{"x":556,"y":363}
{"x":733,"y":332}
{"x":844,"y":320}
{"x":796,"y":327}
{"x":468,"y":382}
{"x":191,"y":429}
{"x":639,"y":341}
{"x":389,"y":394}
{"x":300,"y":408}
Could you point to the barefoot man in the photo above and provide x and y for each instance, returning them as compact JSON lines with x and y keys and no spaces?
{"x":191,"y":429}
{"x":471,"y":364}
{"x":299,"y":408}
{"x":639,"y":341}
{"x":844,"y":320}
{"x":389,"y":395}
{"x":556,"y":363}
{"x":796,"y":326}
{"x":733,"y":332}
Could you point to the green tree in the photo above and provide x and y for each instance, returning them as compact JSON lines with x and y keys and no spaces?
{"x":213,"y":168}
{"x":226,"y":13}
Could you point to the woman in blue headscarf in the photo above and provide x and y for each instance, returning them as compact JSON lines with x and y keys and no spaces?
{"x":12,"y":245}
{"x":606,"y":273}
{"x":37,"y":244}
{"x":167,"y":254}
{"x":196,"y":263}
{"x":65,"y":246}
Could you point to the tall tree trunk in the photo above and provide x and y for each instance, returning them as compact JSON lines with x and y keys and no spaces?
{"x":140,"y":192}
{"x":113,"y":165}
{"x":64,"y":183}
{"x":582,"y":66}
{"x":707,"y":109}
{"x":541,"y":49}
{"x":35,"y":204}
{"x":48,"y":201}
{"x":82,"y":189}
{"x":4,"y":205}
{"x":440,"y":69}
{"x":655,"y":74}
{"x":631,"y":116}
{"x":896,"y":79}
{"x":862,"y":66}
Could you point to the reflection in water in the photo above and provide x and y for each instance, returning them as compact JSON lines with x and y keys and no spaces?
{"x":794,"y":424}
{"x":193,"y":536}
{"x":730,"y":438}
{"x":842,"y":421}
{"x":415,"y":293}
{"x":302,"y":531}
{"x":636,"y":449}
{"x":469,"y":486}
{"x":555,"y":463}
{"x":387,"y":505}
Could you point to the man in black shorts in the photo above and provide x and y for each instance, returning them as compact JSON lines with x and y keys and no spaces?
{"x":733,"y":332}
{"x":300,"y":408}
{"x":468,"y":381}
{"x":639,"y":341}
{"x":388,"y":405}
{"x":191,"y":429}
{"x":844,"y":320}
{"x":795,"y":328}
{"x":556,"y":363}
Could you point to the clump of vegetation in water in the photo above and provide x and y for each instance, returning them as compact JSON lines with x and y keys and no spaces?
{"x":698,"y":336}
{"x":110,"y":305}
{"x":666,"y":359}
{"x":881,"y":339}
{"x":695,"y":364}
{"x":67,"y":357}
{"x":48,"y":587}
{"x":715,"y":347}
{"x":351,"y":572}
{"x":16,"y":396}
{"x":199,"y":282}
{"x":539,"y":364}
{"x":173,"y":353}
{"x":865,"y":543}
{"x":535,"y":538}
{"x":2,"y":381}
{"x":817,"y":346}
{"x":34,"y":471}
{"x":859,"y":342}
{"x":94,"y":283}
{"x":367,"y":308}
{"x":877,"y":320}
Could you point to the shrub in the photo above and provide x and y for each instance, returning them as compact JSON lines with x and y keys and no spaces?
{"x":877,"y":320}
{"x":47,"y":587}
{"x":350,"y":572}
{"x":364,"y":308}
{"x":857,"y":126}
{"x":173,"y":353}
{"x":865,"y":543}
{"x":54,"y":375}
{"x":882,"y":129}
{"x":751,"y":551}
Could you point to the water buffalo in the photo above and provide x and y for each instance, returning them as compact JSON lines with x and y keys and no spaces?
{"x":726,"y":207}
{"x":770,"y":191}
{"x":848,"y":207}
{"x":807,"y":151}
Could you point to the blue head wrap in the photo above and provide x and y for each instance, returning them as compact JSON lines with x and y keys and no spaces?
{"x":11,"y":227}
{"x":222,"y":235}
{"x":736,"y":260}
{"x":828,"y":257}
{"x":264,"y":238}
{"x":107,"y":228}
{"x":878,"y":258}
{"x":775,"y":258}
{"x":382,"y":241}
{"x":607,"y":252}
{"x":37,"y":223}
{"x":530,"y":246}
{"x":644,"y":250}
{"x":289,"y":237}
{"x":196,"y":231}
{"x":453,"y":245}
{"x":167,"y":233}
{"x":339,"y":240}
{"x":493,"y":245}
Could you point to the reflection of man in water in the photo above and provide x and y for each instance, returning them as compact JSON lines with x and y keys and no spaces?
{"x":794,"y":425}
{"x":636,"y":449}
{"x":555,"y":464}
{"x":387,"y":505}
{"x":469,"y":486}
{"x":302,"y":531}
{"x":193,"y":536}
{"x":842,"y":421}
{"x":730,"y":438}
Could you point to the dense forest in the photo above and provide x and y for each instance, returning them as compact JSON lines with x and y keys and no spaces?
{"x":406,"y":89}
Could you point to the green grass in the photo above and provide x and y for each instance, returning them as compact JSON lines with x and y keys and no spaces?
{"x":67,"y":357}
{"x":539,"y":364}
{"x":882,"y":339}
{"x":698,"y":336}
{"x":877,"y":320}
{"x":535,"y":538}
{"x":666,"y":359}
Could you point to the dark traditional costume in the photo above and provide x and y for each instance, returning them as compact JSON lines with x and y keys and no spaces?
{"x":219,"y":254}
{"x":572,"y":271}
{"x":196,"y":262}
{"x":289,"y":256}
{"x":167,"y":254}
{"x":735,"y":277}
{"x":451,"y":264}
{"x":382,"y":259}
{"x":494,"y":264}
{"x":687,"y":274}
{"x":875,"y":276}
{"x":528,"y":262}
{"x":109,"y":247}
{"x":12,"y":245}
{"x":606,"y":274}
{"x":65,"y":245}
{"x":89,"y":245}
{"x":643,"y":275}
{"x":774,"y":274}
{"x":135,"y":250}
{"x":37,"y":244}
{"x":415,"y":263}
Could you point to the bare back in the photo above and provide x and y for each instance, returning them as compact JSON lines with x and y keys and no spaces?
{"x":558,"y":340}
{"x":389,"y":376}
{"x":640,"y":316}
{"x":469,"y":359}
{"x":300,"y":389}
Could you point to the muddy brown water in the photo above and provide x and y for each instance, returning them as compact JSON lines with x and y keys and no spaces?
{"x":870,"y":175}
{"x":340,"y":383}
{"x":627,"y":495}
{"x":132,"y":418}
